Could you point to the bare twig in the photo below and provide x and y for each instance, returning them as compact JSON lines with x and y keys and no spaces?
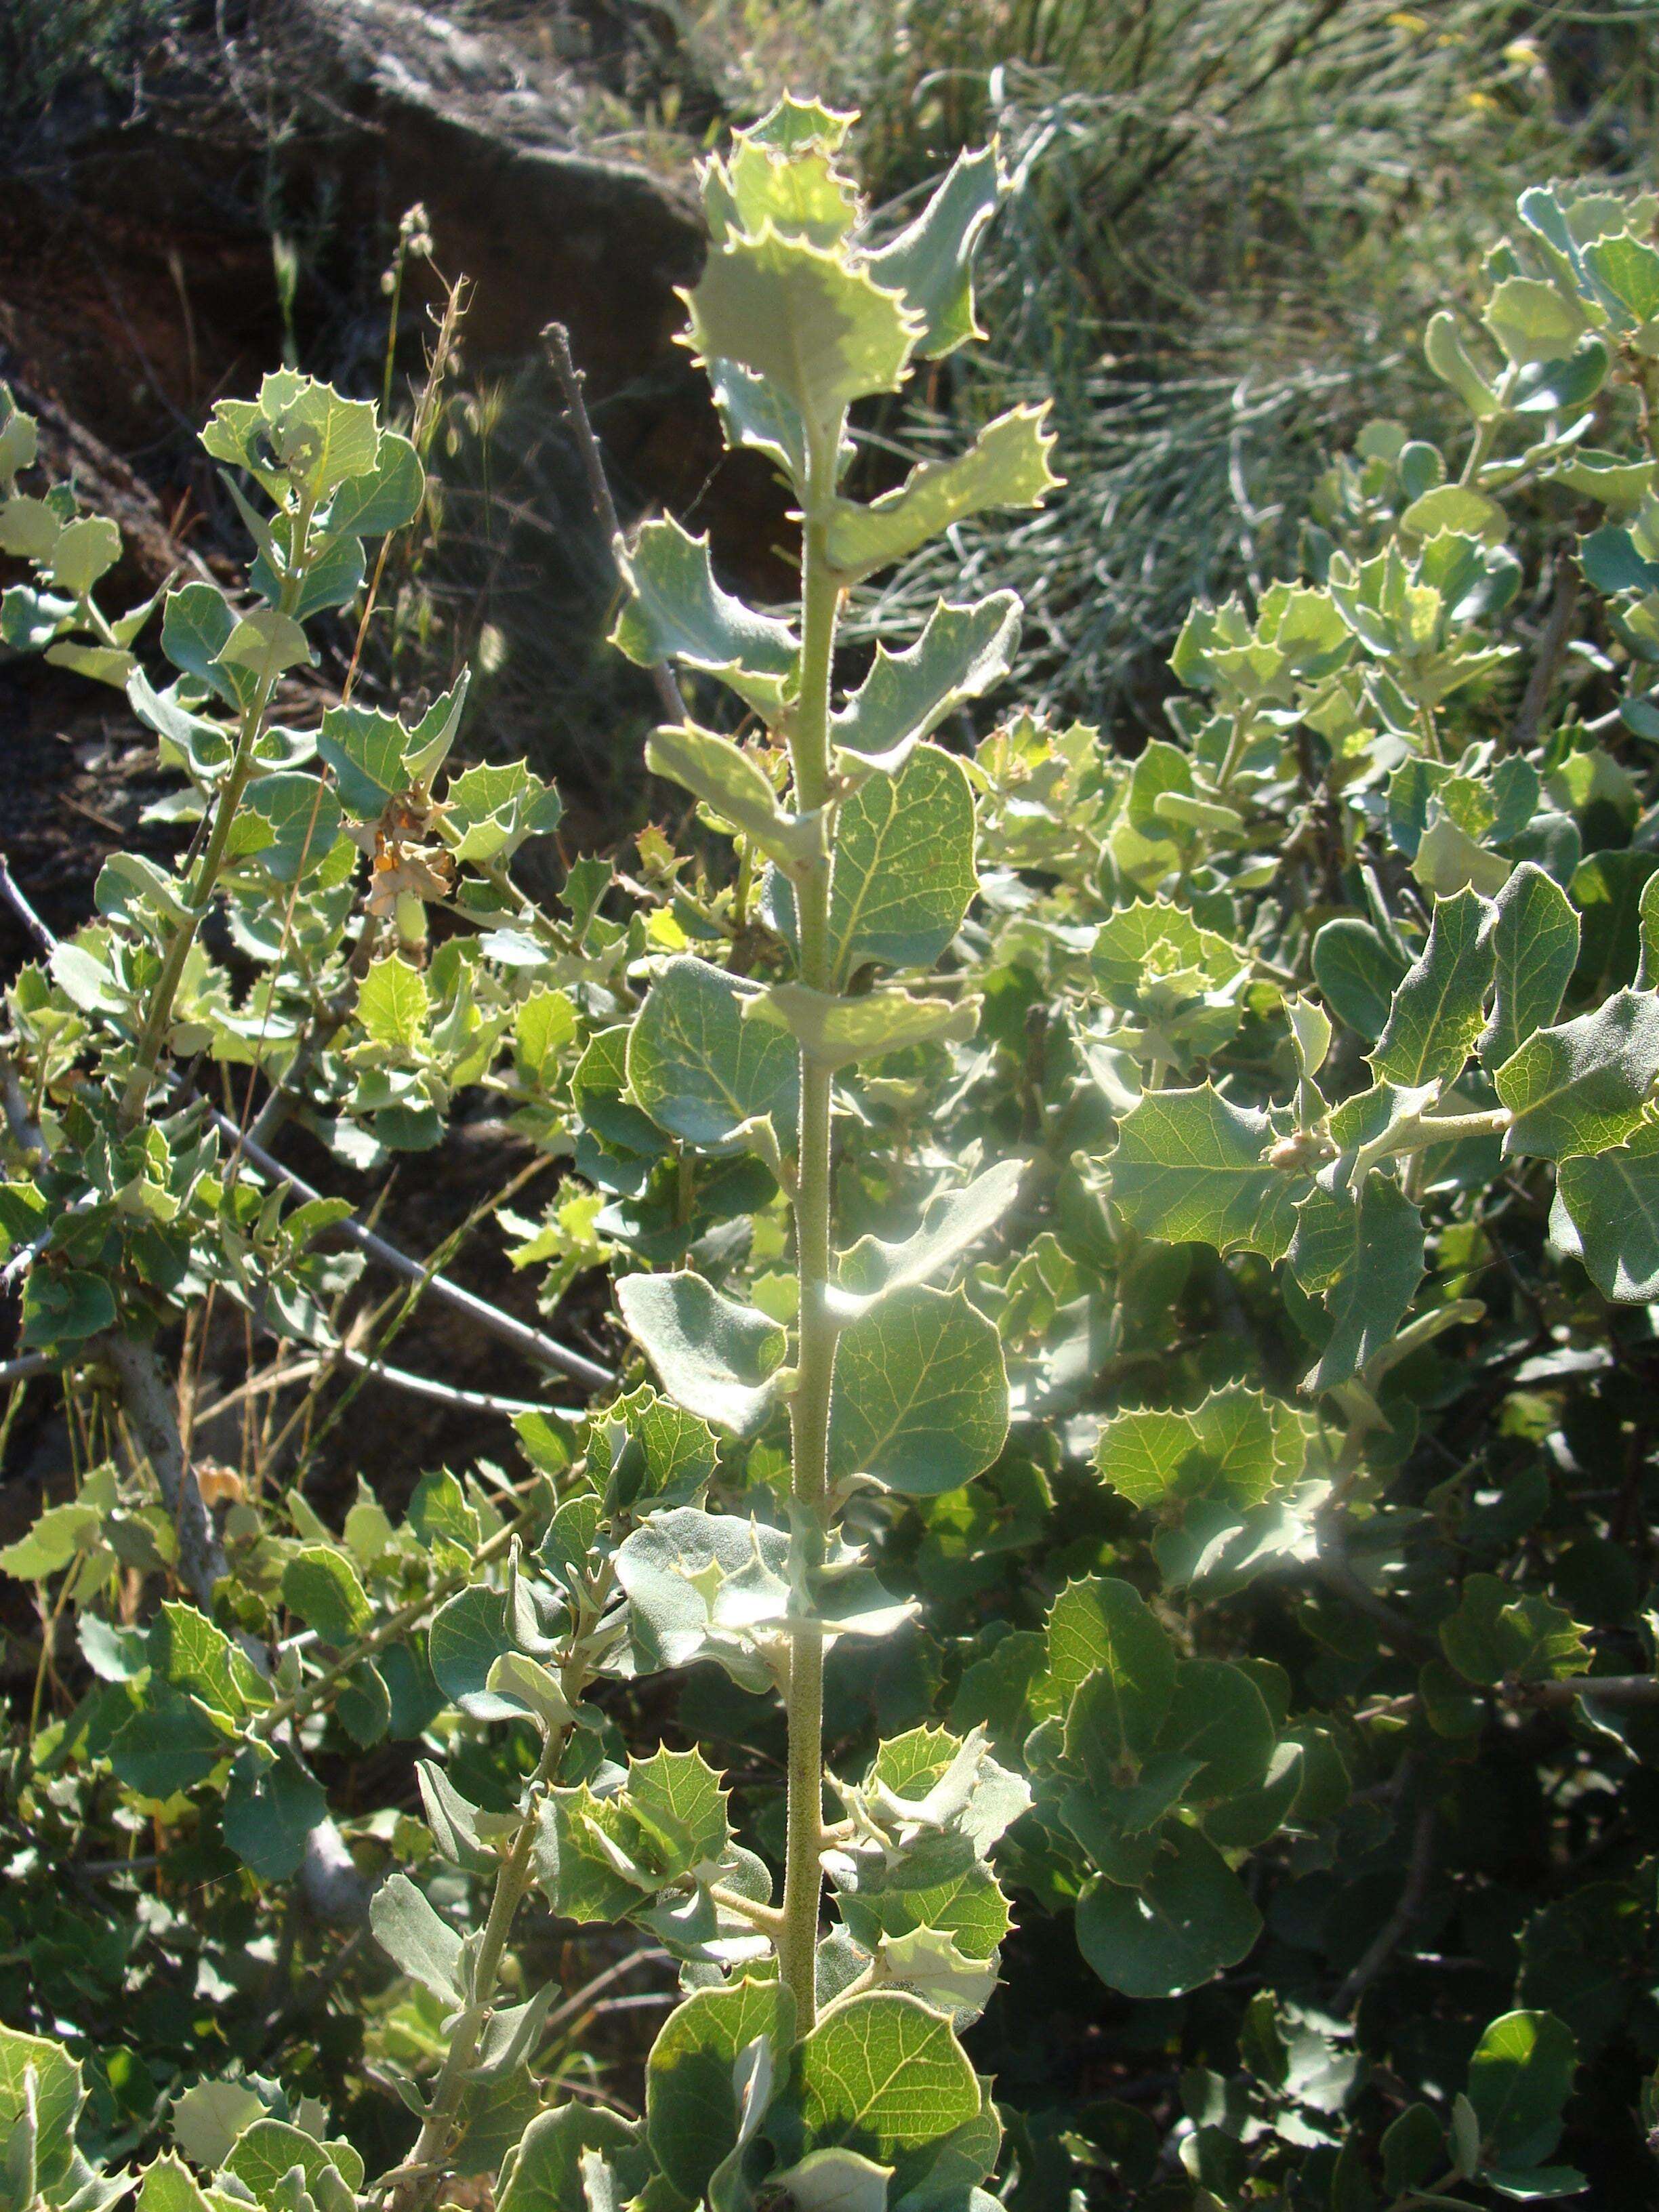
{"x":556,"y":339}
{"x":1419,"y":1871}
{"x":148,"y":1404}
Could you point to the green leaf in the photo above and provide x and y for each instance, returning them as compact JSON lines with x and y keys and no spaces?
{"x":930,"y":260}
{"x":82,"y":551}
{"x":903,"y":874}
{"x":1580,"y":1087}
{"x":393,"y":1004}
{"x":920,"y":1400}
{"x":881,"y":2074}
{"x":1235,"y":1444}
{"x":1611,"y":1200}
{"x":1218,"y":1726}
{"x":1534,"y":942}
{"x":1533,"y":320}
{"x":1111,"y":1675}
{"x":365,"y":749}
{"x":700,"y":1069}
{"x":321,"y":1585}
{"x":1189,"y":1920}
{"x":699,"y":1582}
{"x":819,"y":330}
{"x":1438,"y":1009}
{"x":1448,"y":358}
{"x":836,"y":1032}
{"x":692,"y":2081}
{"x":545,"y":2172}
{"x":167,"y":1744}
{"x":678,"y":612}
{"x":491,"y":809}
{"x":962,"y":652}
{"x":835,"y":2181}
{"x":265,"y":642}
{"x":469,"y":1632}
{"x":732,"y":785}
{"x":386,"y":496}
{"x":1191,"y":1167}
{"x":952,"y":1222}
{"x":715,"y":1356}
{"x":266,"y":2154}
{"x":1006,"y":465}
{"x":272,"y":1805}
{"x":1520,"y":2078}
{"x":421,"y":1944}
{"x":288,"y":822}
{"x":58,"y":2097}
{"x":1363,"y":1252}
{"x":1499,"y":1633}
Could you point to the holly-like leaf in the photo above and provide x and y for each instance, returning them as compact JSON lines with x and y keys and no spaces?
{"x":58,"y":2095}
{"x":920,"y":1399}
{"x":963,"y":653}
{"x":930,"y":260}
{"x":321,"y":1585}
{"x":1612,"y":1203}
{"x":701,"y":1070}
{"x":1192,"y":1167}
{"x":903,"y":874}
{"x":1111,"y":1675}
{"x":1006,"y":465}
{"x":1438,"y":1009}
{"x":1499,"y":1633}
{"x":819,"y":328}
{"x":1580,"y":1087}
{"x":1235,"y":1444}
{"x":704,"y":1584}
{"x":678,"y":612}
{"x":1534,"y":942}
{"x":1187,"y":1922}
{"x":715,"y":1356}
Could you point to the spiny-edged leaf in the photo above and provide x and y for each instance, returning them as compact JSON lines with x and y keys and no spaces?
{"x":692,"y":2112}
{"x":1499,"y":1632}
{"x":1612,"y":1201}
{"x":713,"y":1356}
{"x":1191,"y":1167}
{"x":1235,"y":1444}
{"x":1187,"y":1921}
{"x":1154,"y":939}
{"x":1363,"y":1252}
{"x":58,"y":2097}
{"x":678,"y":1794}
{"x":365,"y":749}
{"x":1520,"y":2077}
{"x":800,"y":193}
{"x":288,"y":822}
{"x":194,"y":1654}
{"x":963,"y":652}
{"x":879,"y":2075}
{"x":930,"y":260}
{"x":734,"y":787}
{"x":1006,"y":465}
{"x":920,"y":1394}
{"x":1438,"y":1009}
{"x":272,"y":1805}
{"x":545,"y":2172}
{"x":678,"y":612}
{"x":836,"y":1032}
{"x":698,"y":1068}
{"x":819,"y":328}
{"x":493,"y":807}
{"x":1534,"y":942}
{"x":168,"y":2185}
{"x":1580,"y":1087}
{"x":408,"y":1929}
{"x":1101,"y":1635}
{"x":880,"y":1901}
{"x":265,"y":642}
{"x":951,"y":1222}
{"x":903,"y":874}
{"x":1358,"y":974}
{"x":321,"y":1585}
{"x":393,"y":1003}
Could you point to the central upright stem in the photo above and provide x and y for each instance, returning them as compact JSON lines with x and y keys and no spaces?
{"x":809,"y":751}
